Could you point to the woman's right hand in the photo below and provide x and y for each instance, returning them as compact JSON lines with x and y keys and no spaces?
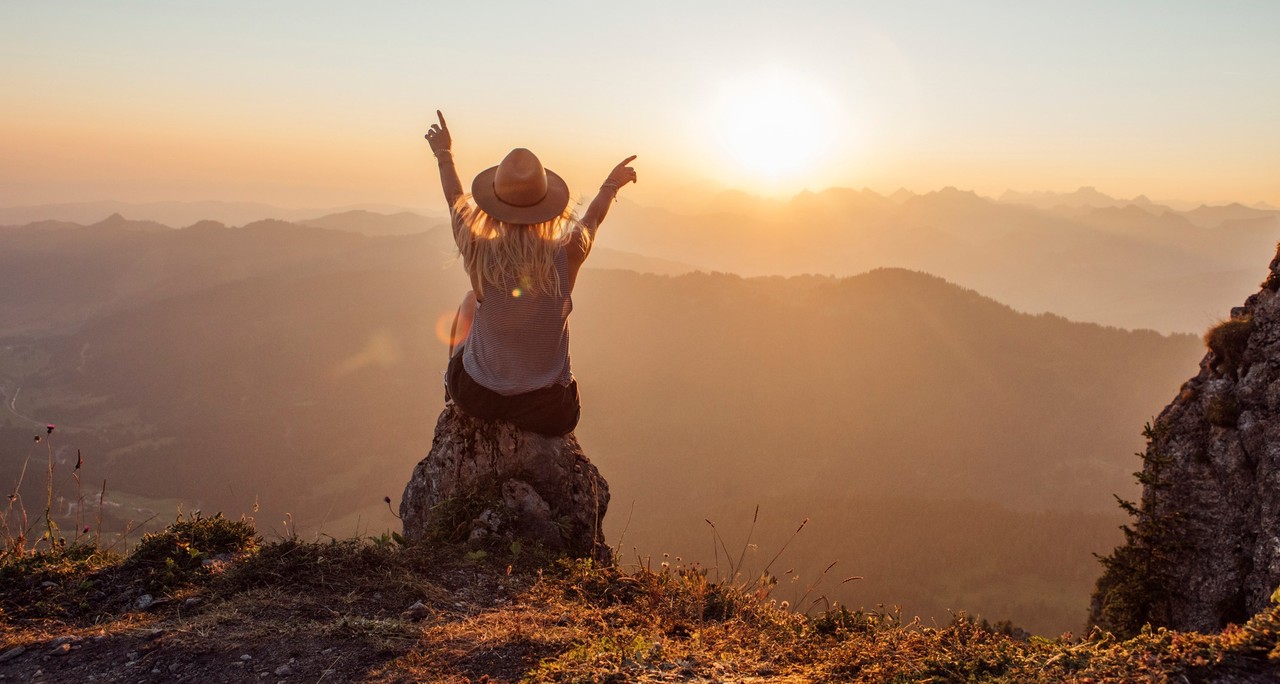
{"x":622,"y":174}
{"x":438,"y":137}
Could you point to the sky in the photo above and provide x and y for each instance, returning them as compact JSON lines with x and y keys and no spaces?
{"x":319,"y":104}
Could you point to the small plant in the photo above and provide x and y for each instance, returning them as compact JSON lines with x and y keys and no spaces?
{"x":1228,"y":341}
{"x":388,"y":539}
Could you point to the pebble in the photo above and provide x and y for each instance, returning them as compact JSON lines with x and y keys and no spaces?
{"x":327,"y":651}
{"x":417,"y":611}
{"x":61,"y":649}
{"x":284,"y":670}
{"x":12,"y":653}
{"x":48,"y":585}
{"x":144,"y":602}
{"x":193,"y":601}
{"x":246,"y":657}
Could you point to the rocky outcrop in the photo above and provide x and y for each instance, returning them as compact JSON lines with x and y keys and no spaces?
{"x":1204,"y":548}
{"x":488,"y":482}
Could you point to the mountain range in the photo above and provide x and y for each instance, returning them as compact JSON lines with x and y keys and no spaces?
{"x":287,"y":368}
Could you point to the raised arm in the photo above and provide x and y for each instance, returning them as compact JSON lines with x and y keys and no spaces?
{"x":442,"y":147}
{"x":599,"y":207}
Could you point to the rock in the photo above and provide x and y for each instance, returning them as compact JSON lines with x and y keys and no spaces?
{"x":144,"y":602}
{"x":284,"y":670}
{"x":487,"y":481}
{"x":1204,"y":548}
{"x":246,"y":657}
{"x":417,"y":611}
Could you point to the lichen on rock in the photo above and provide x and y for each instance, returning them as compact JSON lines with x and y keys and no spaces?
{"x":1204,"y":548}
{"x":488,"y":482}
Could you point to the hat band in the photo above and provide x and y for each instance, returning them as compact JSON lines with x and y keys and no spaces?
{"x":521,"y":199}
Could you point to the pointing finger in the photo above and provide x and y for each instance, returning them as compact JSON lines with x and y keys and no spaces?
{"x":628,"y":160}
{"x":441,"y":117}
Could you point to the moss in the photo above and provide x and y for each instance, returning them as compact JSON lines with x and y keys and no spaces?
{"x":452,"y":517}
{"x":1222,"y":411}
{"x":1272,"y":282}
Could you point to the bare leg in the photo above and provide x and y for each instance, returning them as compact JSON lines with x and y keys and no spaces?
{"x":462,"y":322}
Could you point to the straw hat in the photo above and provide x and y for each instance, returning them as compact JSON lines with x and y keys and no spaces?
{"x":520,"y":190}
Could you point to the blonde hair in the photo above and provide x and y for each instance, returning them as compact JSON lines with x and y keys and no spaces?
{"x":498,"y":252}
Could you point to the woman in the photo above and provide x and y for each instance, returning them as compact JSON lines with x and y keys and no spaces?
{"x":522,"y":247}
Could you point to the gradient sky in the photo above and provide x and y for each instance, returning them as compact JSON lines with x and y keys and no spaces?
{"x":324,"y":104}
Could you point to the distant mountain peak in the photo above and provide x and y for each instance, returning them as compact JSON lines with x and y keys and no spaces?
{"x":118,"y":222}
{"x":901,"y":195}
{"x":207,"y":224}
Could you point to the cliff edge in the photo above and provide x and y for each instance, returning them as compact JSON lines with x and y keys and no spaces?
{"x":1203,"y":550}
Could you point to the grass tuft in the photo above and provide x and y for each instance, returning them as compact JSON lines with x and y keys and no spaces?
{"x":187,"y":549}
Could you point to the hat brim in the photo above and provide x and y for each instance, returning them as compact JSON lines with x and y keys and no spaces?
{"x":551,"y":205}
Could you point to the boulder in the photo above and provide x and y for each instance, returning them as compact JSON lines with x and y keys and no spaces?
{"x":1203,"y":550}
{"x":490,"y":483}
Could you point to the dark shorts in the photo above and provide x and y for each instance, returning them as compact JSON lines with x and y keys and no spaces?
{"x":550,"y":411}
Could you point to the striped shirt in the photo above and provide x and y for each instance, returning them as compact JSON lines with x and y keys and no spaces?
{"x":519,"y":340}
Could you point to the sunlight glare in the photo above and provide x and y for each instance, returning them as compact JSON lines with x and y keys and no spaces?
{"x":776,"y":123}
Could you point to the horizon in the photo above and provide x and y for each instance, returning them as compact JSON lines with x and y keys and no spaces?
{"x":315,"y":105}
{"x":1175,"y":203}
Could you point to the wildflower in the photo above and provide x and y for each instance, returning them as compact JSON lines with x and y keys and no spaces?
{"x":86,"y":529}
{"x":387,"y":499}
{"x":37,"y":439}
{"x":79,"y":459}
{"x":49,"y":427}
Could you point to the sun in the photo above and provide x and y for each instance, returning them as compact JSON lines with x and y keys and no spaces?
{"x":775,"y":124}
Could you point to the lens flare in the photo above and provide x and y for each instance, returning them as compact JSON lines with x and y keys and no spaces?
{"x":444,"y":328}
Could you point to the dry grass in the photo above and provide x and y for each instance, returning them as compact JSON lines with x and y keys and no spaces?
{"x":336,"y":612}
